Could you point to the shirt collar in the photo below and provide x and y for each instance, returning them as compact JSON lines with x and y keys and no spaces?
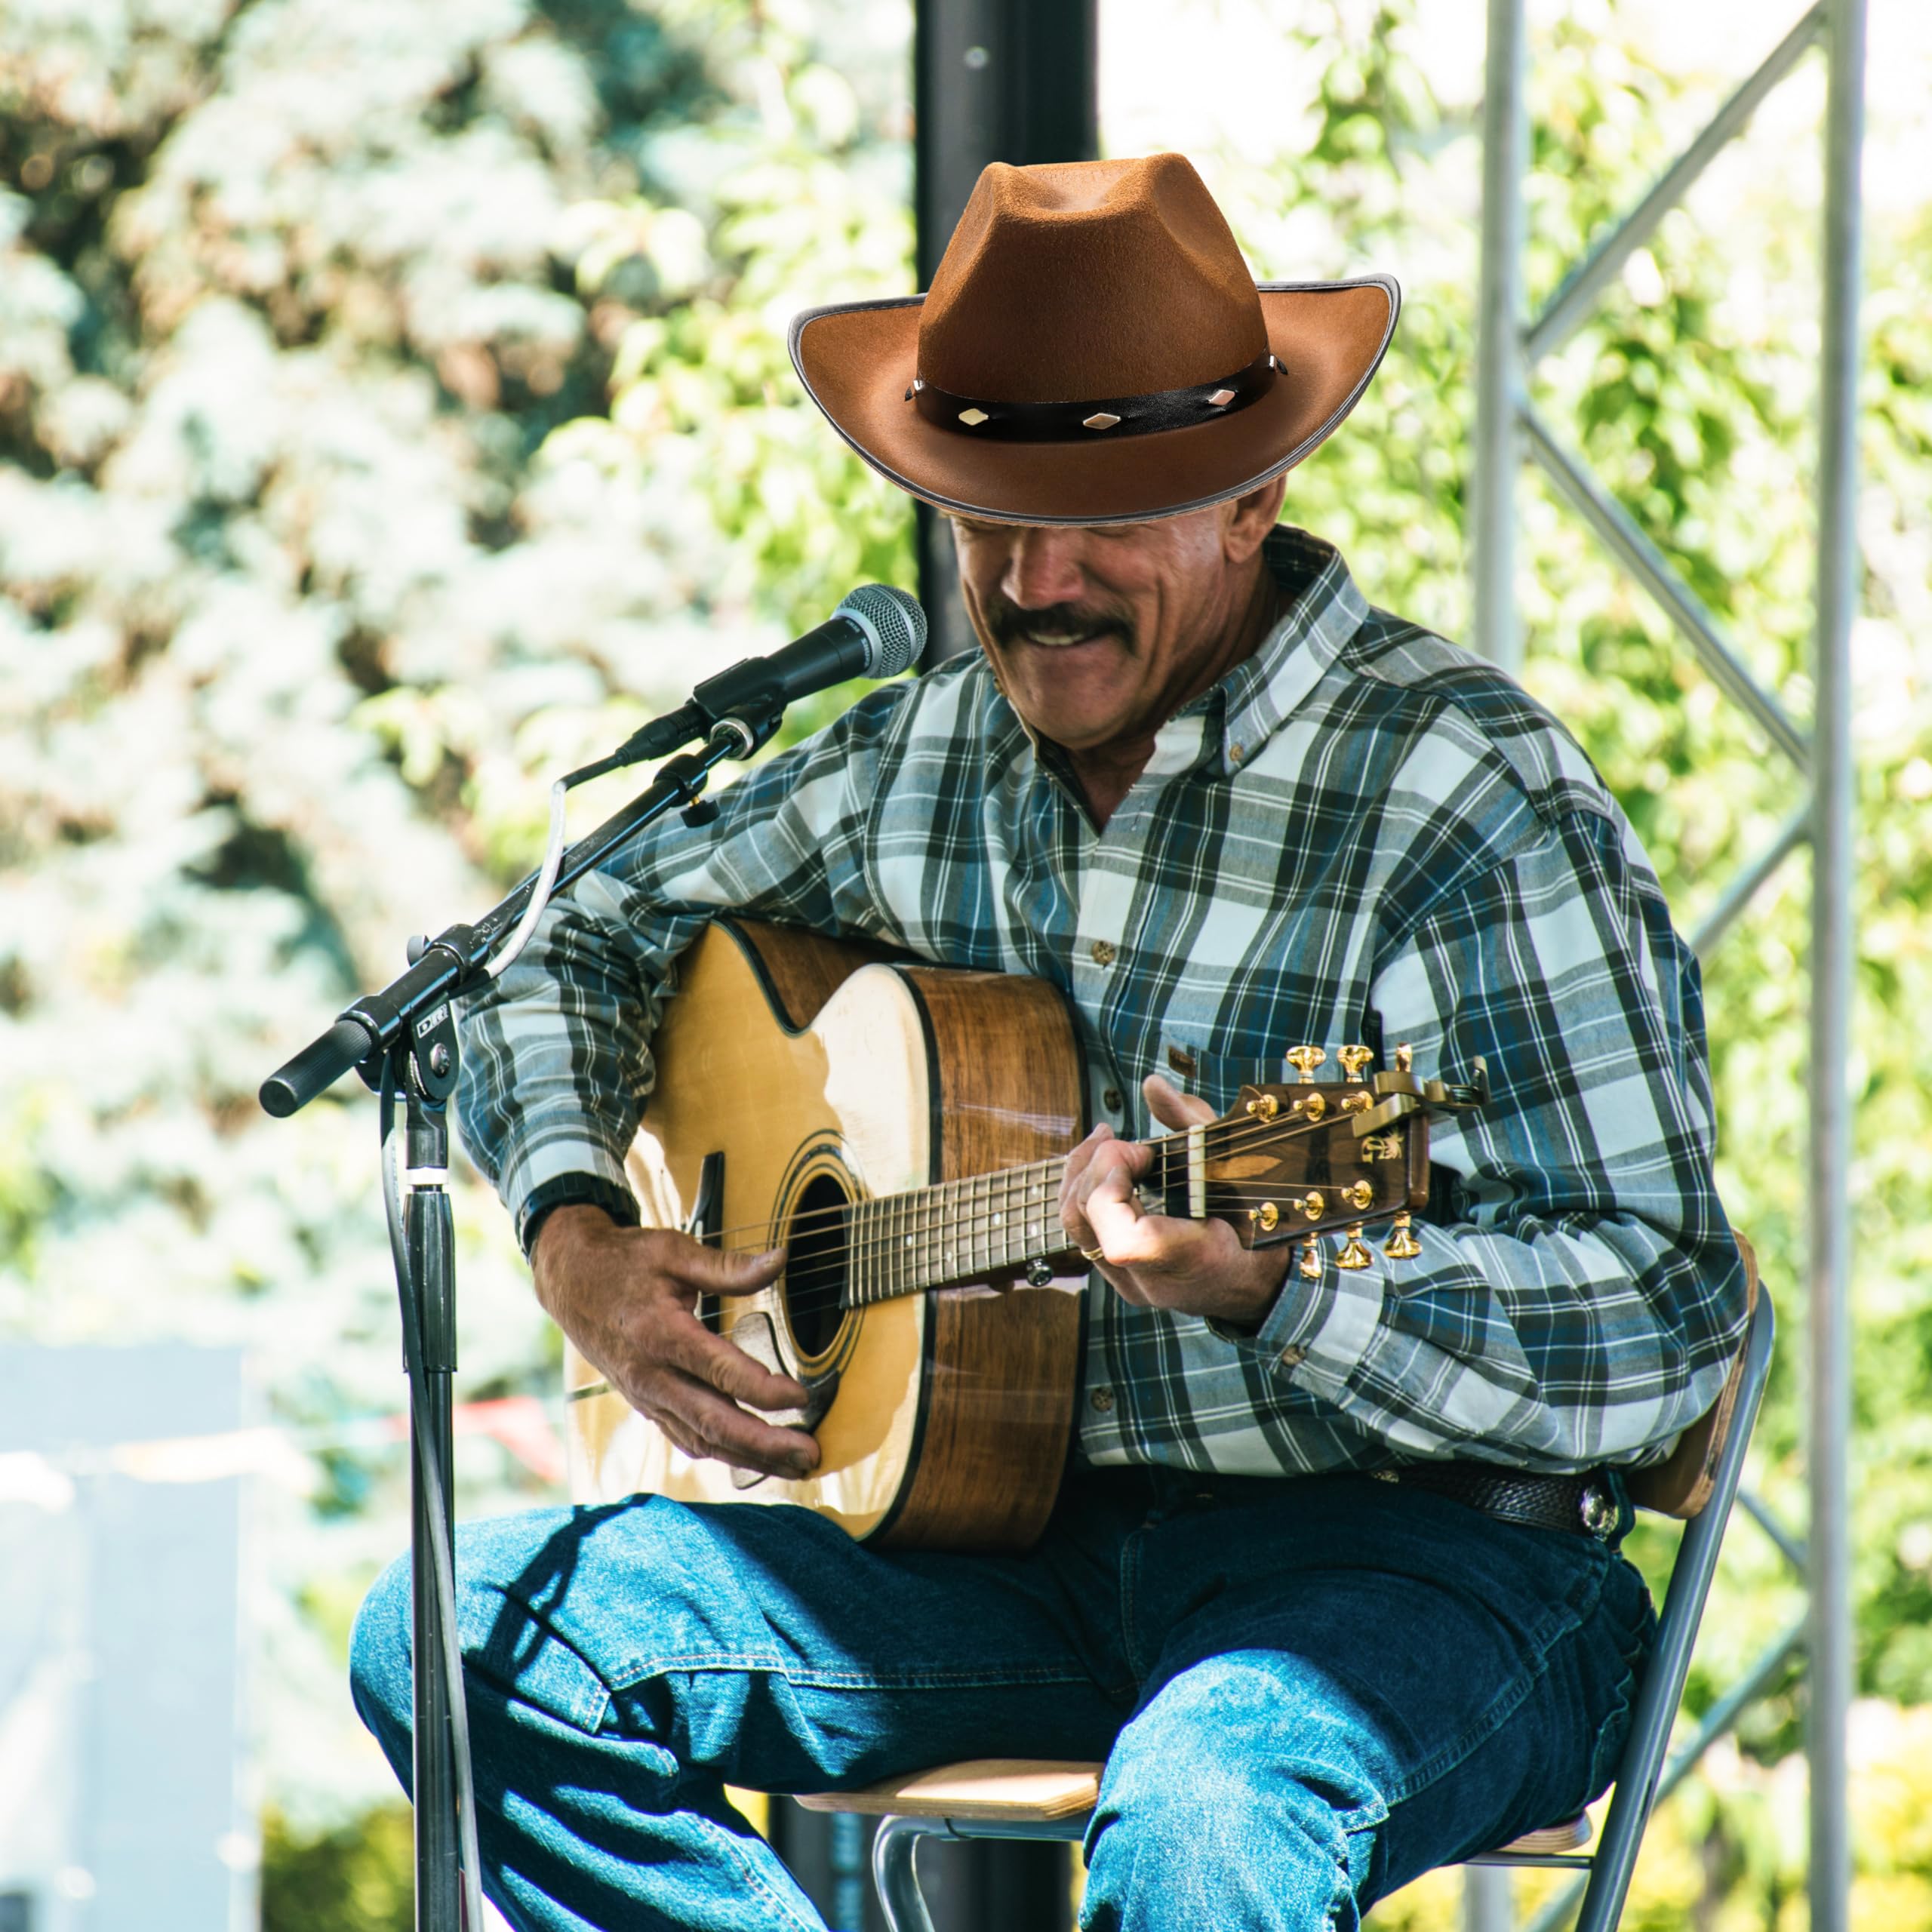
{"x":1322,"y":609}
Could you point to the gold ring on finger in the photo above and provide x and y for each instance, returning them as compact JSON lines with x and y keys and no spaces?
{"x":1094,"y":1254}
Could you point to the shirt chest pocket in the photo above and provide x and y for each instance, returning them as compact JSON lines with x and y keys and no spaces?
{"x":1217,"y":1078}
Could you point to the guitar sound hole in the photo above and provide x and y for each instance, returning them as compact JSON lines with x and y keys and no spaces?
{"x":815,"y":1264}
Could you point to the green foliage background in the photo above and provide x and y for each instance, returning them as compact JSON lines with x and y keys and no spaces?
{"x":394,"y":406}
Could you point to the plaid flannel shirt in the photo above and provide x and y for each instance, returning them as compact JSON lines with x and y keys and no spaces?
{"x":1361,"y":833}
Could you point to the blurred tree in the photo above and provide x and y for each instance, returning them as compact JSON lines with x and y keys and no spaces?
{"x":356,"y":1878}
{"x":318,"y":549}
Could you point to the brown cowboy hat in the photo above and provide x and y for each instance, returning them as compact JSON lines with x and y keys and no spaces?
{"x":1092,"y":350}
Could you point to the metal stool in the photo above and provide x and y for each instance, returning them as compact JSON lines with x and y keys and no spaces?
{"x":1024,"y":1799}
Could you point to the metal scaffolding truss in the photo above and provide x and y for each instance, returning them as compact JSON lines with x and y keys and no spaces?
{"x":1509,"y":429}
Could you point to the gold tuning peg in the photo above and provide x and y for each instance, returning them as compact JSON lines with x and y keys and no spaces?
{"x":1401,"y":1244}
{"x":1305,"y":1059}
{"x":1311,"y":1260}
{"x":1354,"y":1059}
{"x":1353,"y":1254}
{"x":1405,"y":1058}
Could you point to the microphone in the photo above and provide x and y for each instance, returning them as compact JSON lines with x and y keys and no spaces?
{"x":877,"y":631}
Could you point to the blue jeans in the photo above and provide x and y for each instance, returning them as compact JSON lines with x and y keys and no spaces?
{"x":1307,"y":1692}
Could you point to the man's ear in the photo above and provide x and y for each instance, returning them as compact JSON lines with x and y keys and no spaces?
{"x":1251,"y":517}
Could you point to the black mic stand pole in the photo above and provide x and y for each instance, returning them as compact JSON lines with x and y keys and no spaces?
{"x":403,"y":1040}
{"x":428,"y":1306}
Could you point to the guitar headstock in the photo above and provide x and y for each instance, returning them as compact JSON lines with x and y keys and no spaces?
{"x":1299,"y":1159}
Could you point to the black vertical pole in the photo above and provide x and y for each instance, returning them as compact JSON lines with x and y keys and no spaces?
{"x":992,"y":80}
{"x":1012,"y":80}
{"x":432,"y":1242}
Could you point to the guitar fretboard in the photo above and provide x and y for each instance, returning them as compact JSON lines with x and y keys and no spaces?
{"x":985,"y":1224}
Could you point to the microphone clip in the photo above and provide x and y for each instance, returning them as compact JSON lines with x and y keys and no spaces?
{"x":746,"y":699}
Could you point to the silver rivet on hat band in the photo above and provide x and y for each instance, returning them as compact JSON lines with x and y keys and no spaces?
{"x":1101,"y":421}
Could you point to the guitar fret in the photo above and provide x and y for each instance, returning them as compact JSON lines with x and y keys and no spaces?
{"x":992,"y":1224}
{"x":876,"y":1257}
{"x":862,"y":1273}
{"x":855,"y":1256}
{"x":981,"y":1225}
{"x":881,"y":1255}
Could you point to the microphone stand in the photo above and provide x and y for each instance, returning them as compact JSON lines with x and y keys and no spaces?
{"x":403,"y":1040}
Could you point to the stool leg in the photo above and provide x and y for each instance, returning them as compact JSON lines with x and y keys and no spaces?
{"x":895,"y":1876}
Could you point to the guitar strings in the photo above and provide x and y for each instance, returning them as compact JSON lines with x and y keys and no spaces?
{"x":974,"y":1224}
{"x":1235,"y":1134}
{"x":814,"y":1288}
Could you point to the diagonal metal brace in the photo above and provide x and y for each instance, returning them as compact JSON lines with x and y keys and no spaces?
{"x":1564,"y":311}
{"x":1745,"y":887}
{"x":1621,"y":536}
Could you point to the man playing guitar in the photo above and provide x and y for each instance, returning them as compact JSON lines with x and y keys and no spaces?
{"x":1333,"y":1583}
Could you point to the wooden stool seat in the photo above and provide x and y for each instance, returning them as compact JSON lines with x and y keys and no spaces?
{"x":1025,"y":1790}
{"x":1039,"y":1791}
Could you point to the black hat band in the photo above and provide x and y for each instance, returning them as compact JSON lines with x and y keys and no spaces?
{"x":1110,"y":417}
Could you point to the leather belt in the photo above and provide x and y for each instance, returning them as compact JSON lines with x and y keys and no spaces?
{"x":1585,"y":1503}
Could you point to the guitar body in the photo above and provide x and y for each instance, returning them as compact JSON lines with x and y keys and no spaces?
{"x":795,"y":1074}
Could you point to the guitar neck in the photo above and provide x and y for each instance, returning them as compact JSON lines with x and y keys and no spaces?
{"x":989,"y":1224}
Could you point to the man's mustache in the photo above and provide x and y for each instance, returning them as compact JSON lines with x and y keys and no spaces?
{"x":1008,"y":621}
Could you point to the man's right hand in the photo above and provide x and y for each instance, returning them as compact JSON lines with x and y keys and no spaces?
{"x":628,"y":1298}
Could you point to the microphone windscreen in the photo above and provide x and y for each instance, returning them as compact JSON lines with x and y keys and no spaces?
{"x":893,"y":623}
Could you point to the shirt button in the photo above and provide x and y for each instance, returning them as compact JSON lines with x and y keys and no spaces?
{"x":1294,"y":1358}
{"x":1101,"y":953}
{"x":1102,"y":1399}
{"x":1236,"y":752}
{"x":1111,"y":1100}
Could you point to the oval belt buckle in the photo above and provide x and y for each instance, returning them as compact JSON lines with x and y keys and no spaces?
{"x":1598,"y":1510}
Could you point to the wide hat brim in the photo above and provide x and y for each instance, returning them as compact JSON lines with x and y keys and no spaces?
{"x":857,"y":360}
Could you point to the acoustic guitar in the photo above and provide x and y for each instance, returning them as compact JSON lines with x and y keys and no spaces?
{"x":901,"y":1128}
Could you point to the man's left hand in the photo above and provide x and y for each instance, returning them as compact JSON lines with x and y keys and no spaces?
{"x":1193,"y":1267}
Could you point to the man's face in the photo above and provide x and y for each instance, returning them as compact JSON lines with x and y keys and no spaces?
{"x":1102,"y":631}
